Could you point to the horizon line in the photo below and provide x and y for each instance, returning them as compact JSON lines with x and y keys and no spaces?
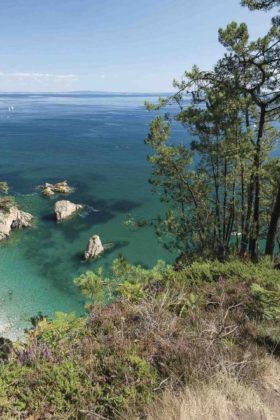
{"x":83,"y":91}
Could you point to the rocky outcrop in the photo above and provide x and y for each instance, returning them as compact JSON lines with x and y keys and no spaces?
{"x":94,"y":248}
{"x":13,"y":219}
{"x":64,"y":209}
{"x":47,"y":191}
{"x":59,"y":188}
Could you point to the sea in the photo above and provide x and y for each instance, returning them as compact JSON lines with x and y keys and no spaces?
{"x":96,"y":143}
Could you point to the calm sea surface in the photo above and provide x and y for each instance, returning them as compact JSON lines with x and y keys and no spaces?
{"x":96,"y":143}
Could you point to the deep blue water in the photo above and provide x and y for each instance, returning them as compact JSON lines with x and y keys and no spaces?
{"x":96,"y":143}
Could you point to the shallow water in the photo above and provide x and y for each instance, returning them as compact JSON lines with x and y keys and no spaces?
{"x":96,"y":143}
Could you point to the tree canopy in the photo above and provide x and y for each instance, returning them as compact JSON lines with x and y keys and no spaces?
{"x":260,"y":4}
{"x":223,"y":190}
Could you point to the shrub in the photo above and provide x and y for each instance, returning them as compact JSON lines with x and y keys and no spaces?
{"x":159,"y":329}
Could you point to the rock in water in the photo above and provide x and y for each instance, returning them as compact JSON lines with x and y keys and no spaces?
{"x":94,"y":247}
{"x":13,"y":219}
{"x":48,"y":192}
{"x":64,"y":209}
{"x":60,"y":187}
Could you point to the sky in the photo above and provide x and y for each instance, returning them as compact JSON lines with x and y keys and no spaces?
{"x":112,"y":45}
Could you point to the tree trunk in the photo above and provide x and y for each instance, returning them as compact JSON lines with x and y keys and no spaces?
{"x":225,"y":200}
{"x":272,"y":231}
{"x":246,"y":218}
{"x":246,"y":232}
{"x":242,"y":200}
{"x":256,"y":215}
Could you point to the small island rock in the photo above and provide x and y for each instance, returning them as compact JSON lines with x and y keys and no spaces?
{"x":94,"y":247}
{"x":64,"y":209}
{"x":60,"y":188}
{"x":48,"y":192}
{"x":13,"y":219}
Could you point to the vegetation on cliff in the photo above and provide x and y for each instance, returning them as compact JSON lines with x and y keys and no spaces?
{"x":159,"y":331}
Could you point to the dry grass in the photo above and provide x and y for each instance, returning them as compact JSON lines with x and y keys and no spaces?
{"x":271,"y":376}
{"x":223,"y":398}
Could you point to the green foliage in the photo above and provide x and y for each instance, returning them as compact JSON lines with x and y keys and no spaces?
{"x":260,"y":4}
{"x":203,"y":196}
{"x":225,"y":191}
{"x":63,"y":383}
{"x":268,"y":301}
{"x":92,"y":285}
{"x":208,"y":271}
{"x":6,"y":202}
{"x":122,"y":270}
{"x":192,"y":302}
{"x":126,"y":281}
{"x":4,"y":188}
{"x":166,"y":327}
{"x":132,"y":292}
{"x":62,"y":327}
{"x":12,"y":381}
{"x":235,"y":36}
{"x":263,"y":5}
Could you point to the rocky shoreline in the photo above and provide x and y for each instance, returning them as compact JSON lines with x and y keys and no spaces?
{"x":14,"y":218}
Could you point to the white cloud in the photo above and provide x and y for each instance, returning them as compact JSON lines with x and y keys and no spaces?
{"x":39,"y":76}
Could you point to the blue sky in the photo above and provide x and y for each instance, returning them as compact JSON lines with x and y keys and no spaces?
{"x":112,"y":45}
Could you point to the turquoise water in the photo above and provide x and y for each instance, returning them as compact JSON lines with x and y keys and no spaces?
{"x":96,"y":143}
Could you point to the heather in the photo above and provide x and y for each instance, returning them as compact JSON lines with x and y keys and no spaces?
{"x":159,"y":330}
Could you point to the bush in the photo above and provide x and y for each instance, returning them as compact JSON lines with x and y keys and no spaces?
{"x":159,"y":329}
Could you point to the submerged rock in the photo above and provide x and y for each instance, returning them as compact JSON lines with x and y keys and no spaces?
{"x":64,"y":209}
{"x":94,"y":248}
{"x":13,"y":219}
{"x":60,"y":188}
